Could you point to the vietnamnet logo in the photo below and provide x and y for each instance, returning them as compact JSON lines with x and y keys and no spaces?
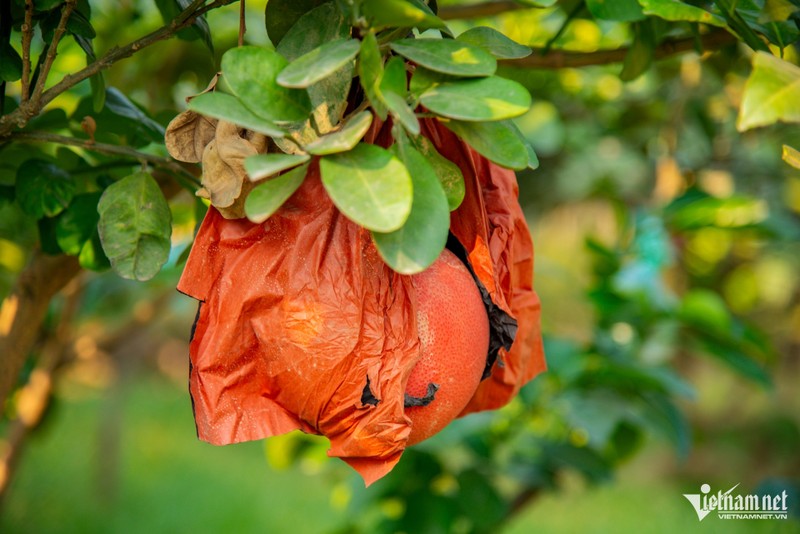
{"x":729,"y":506}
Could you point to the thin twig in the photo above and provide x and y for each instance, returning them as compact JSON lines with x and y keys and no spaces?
{"x":711,"y":41}
{"x":103,"y":148}
{"x":570,"y":16}
{"x":27,"y":110}
{"x":242,"y":22}
{"x":27,"y":37}
{"x":52,"y":51}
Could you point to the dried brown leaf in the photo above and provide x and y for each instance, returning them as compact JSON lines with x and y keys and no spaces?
{"x":188,"y":135}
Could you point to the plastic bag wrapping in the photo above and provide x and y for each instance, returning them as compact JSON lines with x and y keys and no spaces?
{"x":303,"y":326}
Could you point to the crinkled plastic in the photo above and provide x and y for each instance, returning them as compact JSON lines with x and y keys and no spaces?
{"x":303,"y":326}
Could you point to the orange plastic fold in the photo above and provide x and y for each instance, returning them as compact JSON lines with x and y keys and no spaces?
{"x":302,"y":325}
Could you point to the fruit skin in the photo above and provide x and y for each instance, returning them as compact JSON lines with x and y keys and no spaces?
{"x":454,"y":338}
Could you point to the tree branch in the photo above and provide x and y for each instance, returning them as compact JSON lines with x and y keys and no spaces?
{"x":27,"y":37}
{"x":27,"y":110}
{"x":713,"y":40}
{"x":52,"y":50}
{"x":103,"y":148}
{"x":474,"y":11}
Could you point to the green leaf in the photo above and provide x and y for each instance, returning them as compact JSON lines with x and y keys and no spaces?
{"x":252,"y":73}
{"x":10,"y":63}
{"x":496,"y":141}
{"x":424,"y":79}
{"x":677,"y":11}
{"x":394,"y":79}
{"x":92,"y":256}
{"x":135,"y":226}
{"x":76,"y":225}
{"x":741,"y":26}
{"x":495,"y":42}
{"x":791,"y":156}
{"x":343,"y":140}
{"x":398,"y":14}
{"x":771,"y":94}
{"x":229,"y":108}
{"x":401,"y":112}
{"x":120,"y":105}
{"x":264,"y":165}
{"x":369,"y":186}
{"x":170,"y":9}
{"x":43,"y":189}
{"x":370,"y":72}
{"x":319,"y":63}
{"x":483,"y":99}
{"x":447,"y":56}
{"x":281,"y":15}
{"x":98,"y":86}
{"x":533,"y":159}
{"x":620,"y":10}
{"x":640,"y":54}
{"x":417,"y":244}
{"x":448,"y":173}
{"x":266,"y":198}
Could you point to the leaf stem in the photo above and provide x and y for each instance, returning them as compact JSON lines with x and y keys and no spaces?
{"x":52,"y":51}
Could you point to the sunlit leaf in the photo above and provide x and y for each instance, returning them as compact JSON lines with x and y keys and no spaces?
{"x":791,"y":156}
{"x":675,"y":10}
{"x":483,"y":99}
{"x":772,"y":93}
{"x":394,"y":77}
{"x":135,"y":226}
{"x":399,"y":13}
{"x":415,"y":246}
{"x":252,"y":73}
{"x":43,"y":189}
{"x":447,"y":56}
{"x":402,"y":112}
{"x":319,"y":63}
{"x":229,"y":108}
{"x":266,"y":198}
{"x":344,"y":139}
{"x":495,"y":42}
{"x":264,"y":165}
{"x":370,"y":186}
{"x":496,"y":141}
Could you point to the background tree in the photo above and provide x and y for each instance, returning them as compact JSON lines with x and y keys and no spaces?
{"x":669,"y":235}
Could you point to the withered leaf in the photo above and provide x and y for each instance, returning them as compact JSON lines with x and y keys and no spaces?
{"x":188,"y":135}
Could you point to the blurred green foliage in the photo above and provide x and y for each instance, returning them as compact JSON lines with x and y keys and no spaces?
{"x":667,"y":263}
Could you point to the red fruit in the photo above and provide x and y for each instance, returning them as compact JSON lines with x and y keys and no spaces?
{"x":454,"y":336}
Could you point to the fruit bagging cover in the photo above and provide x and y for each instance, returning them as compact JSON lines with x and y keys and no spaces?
{"x":303,"y":326}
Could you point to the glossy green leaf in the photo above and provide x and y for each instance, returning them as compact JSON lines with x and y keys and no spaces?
{"x":229,"y":108}
{"x":677,"y":11}
{"x":281,"y":15}
{"x":620,"y":10}
{"x":417,"y":244}
{"x":425,"y":79}
{"x":319,"y":26}
{"x":791,"y":156}
{"x":735,"y":17}
{"x":772,"y":93}
{"x":97,"y":83}
{"x":266,"y":198}
{"x":394,"y":79}
{"x":447,"y":56}
{"x":448,"y":173}
{"x":483,"y":99}
{"x":370,"y":72}
{"x":402,"y":112}
{"x":370,"y":186}
{"x":495,"y":42}
{"x":252,"y":73}
{"x":319,"y":63}
{"x":135,"y":226}
{"x":496,"y":141}
{"x":640,"y":54}
{"x":43,"y":189}
{"x":398,"y":14}
{"x":533,"y":159}
{"x":264,"y":165}
{"x":344,"y":139}
{"x":76,"y":225}
{"x":92,"y":256}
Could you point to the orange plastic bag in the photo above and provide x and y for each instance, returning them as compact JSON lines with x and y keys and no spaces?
{"x":302,"y":325}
